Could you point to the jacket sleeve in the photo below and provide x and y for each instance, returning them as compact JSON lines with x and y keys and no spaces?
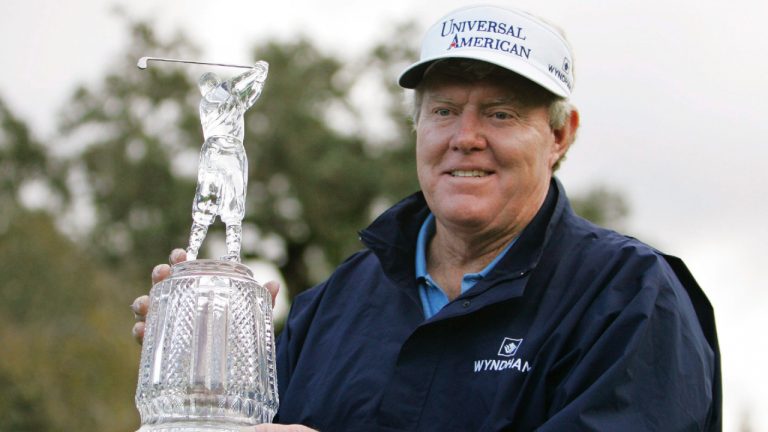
{"x":641,"y":363}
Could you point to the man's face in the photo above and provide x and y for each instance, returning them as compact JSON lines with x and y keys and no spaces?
{"x":484,"y":153}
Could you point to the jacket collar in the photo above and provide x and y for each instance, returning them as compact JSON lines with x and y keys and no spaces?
{"x":392,"y":237}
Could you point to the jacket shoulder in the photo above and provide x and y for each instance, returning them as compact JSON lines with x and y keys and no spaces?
{"x":596,"y":242}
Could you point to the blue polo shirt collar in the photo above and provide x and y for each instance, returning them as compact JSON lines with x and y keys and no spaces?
{"x":433,"y":298}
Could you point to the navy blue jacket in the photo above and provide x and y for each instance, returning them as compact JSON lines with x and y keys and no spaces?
{"x":576,"y":328}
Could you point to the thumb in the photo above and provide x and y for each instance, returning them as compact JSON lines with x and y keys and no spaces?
{"x":273,"y":287}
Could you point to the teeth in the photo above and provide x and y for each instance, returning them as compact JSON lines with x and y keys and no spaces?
{"x":472,"y":173}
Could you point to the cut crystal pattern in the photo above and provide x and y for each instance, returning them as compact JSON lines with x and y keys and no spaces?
{"x":208,"y":359}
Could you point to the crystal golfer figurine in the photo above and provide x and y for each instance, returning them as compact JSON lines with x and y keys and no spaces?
{"x":222,"y":174}
{"x":223,"y":171}
{"x":208,"y":357}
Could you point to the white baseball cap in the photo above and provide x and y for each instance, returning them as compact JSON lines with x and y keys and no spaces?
{"x":509,"y":38}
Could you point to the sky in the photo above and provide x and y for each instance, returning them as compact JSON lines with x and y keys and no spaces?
{"x":672,"y":96}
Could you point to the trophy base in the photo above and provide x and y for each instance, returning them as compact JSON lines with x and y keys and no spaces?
{"x":194,"y":427}
{"x":207,"y":362}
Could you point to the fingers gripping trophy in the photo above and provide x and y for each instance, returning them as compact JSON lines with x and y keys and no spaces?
{"x":208,"y":357}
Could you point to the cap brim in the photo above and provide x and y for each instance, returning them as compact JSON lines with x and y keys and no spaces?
{"x":412,"y":76}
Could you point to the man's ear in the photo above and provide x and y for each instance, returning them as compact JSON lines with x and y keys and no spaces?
{"x":564,"y":136}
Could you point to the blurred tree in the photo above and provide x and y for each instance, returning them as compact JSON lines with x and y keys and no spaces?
{"x":67,"y":360}
{"x":23,"y":161}
{"x":388,"y":58}
{"x":311,"y":185}
{"x":21,"y":412}
{"x":61,"y":367}
{"x":125,"y":135}
{"x":602,"y":206}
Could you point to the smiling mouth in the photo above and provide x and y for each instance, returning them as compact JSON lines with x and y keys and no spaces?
{"x":469,"y":173}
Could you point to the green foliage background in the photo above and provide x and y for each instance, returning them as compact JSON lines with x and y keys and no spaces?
{"x":67,"y":361}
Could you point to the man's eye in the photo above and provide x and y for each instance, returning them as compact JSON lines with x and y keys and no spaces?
{"x":442,"y":112}
{"x":502,"y":115}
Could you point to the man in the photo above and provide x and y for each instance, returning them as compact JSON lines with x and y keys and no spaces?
{"x":483,"y":303}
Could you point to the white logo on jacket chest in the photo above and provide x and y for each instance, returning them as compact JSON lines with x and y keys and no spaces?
{"x":507,"y":350}
{"x":509,"y":347}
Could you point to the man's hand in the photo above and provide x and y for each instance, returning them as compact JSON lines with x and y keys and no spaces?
{"x":140,"y":306}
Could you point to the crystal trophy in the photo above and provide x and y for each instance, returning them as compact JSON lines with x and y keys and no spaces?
{"x":208,"y":357}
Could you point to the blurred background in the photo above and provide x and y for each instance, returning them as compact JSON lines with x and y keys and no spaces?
{"x":98,"y":159}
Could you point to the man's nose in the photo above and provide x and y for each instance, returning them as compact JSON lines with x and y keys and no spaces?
{"x":469,"y":135}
